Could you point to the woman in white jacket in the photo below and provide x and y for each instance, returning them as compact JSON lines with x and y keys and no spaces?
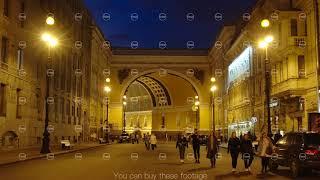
{"x":153,"y":141}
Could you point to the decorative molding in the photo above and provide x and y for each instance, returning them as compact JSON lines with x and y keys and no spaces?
{"x":123,"y":74}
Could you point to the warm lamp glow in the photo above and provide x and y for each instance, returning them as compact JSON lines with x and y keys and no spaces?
{"x":124,"y":103}
{"x":52,"y":41}
{"x":265,"y":23}
{"x":263,"y":44}
{"x":213,"y":79}
{"x":197,"y":103}
{"x":213,"y":88}
{"x":50,"y":20}
{"x":107,"y":89}
{"x":268,"y":39}
{"x":107,"y":80}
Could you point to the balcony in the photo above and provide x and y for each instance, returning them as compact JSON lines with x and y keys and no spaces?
{"x":296,"y":44}
{"x":289,"y":87}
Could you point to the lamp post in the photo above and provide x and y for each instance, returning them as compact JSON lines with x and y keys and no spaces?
{"x":213,"y":88}
{"x":51,"y":42}
{"x":263,"y":44}
{"x":107,"y":89}
{"x":124,"y":113}
{"x":196,"y":105}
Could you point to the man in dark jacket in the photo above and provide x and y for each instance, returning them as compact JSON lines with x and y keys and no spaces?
{"x":182,"y":144}
{"x":196,"y":146}
{"x":233,"y":149}
{"x":247,"y":152}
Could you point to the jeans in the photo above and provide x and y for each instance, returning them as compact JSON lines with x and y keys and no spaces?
{"x":234,"y":157}
{"x":196,"y":151}
{"x":153,"y":146}
{"x":182,"y":151}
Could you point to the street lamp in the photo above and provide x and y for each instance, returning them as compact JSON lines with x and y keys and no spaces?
{"x":107,"y":89}
{"x":213,"y":88}
{"x":124,"y":112}
{"x":50,"y":19}
{"x":264,"y":44}
{"x":196,"y":106}
{"x":51,"y":42}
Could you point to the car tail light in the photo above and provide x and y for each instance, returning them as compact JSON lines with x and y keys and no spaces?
{"x":312,"y":152}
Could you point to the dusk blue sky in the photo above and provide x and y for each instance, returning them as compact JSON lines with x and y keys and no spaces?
{"x":148,"y":30}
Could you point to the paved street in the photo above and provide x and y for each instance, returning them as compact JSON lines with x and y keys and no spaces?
{"x":121,"y":165}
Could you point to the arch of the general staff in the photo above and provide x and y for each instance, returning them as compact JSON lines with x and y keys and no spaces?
{"x":161,"y":88}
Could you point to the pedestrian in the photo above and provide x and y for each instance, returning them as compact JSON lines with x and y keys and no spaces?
{"x":212,"y":149}
{"x":137,"y":138}
{"x":182,"y":144}
{"x":265,"y":149}
{"x":246,"y":149}
{"x":132,"y":136}
{"x":153,"y":141}
{"x":196,"y":146}
{"x":147,"y":141}
{"x":233,"y":149}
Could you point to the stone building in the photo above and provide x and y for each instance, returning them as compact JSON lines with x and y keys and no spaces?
{"x":293,"y":67}
{"x":23,"y":70}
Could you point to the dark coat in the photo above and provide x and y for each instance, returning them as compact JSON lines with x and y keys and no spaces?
{"x":182,"y":143}
{"x":212,"y":148}
{"x":234,"y":145}
{"x":246,"y":146}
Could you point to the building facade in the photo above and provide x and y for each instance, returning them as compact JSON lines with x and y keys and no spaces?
{"x":24,"y":63}
{"x":293,"y":66}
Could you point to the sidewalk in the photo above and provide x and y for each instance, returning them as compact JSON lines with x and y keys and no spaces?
{"x":17,"y":155}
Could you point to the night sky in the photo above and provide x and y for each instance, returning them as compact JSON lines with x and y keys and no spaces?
{"x":144,"y":23}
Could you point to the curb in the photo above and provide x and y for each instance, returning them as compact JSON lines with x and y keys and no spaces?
{"x":45,"y":155}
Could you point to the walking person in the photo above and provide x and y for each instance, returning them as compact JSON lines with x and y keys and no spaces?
{"x":212,"y":149}
{"x":137,"y":138}
{"x":147,"y":141}
{"x":182,"y":144}
{"x":153,"y":141}
{"x":233,"y":149}
{"x":247,"y":152}
{"x":265,"y":149}
{"x":132,"y":136}
{"x":196,"y":146}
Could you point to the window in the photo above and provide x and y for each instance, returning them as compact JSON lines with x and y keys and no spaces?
{"x":22,"y":10}
{"x":19,"y":105}
{"x":4,"y":49}
{"x":62,"y":110}
{"x":56,"y":108}
{"x":305,"y":28}
{"x":6,"y":8}
{"x":20,"y":59}
{"x":301,"y":66}
{"x":294,"y":27}
{"x":3,"y":100}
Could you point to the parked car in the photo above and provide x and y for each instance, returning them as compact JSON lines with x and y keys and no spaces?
{"x":299,"y":151}
{"x":124,"y":137}
{"x":203,"y":140}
